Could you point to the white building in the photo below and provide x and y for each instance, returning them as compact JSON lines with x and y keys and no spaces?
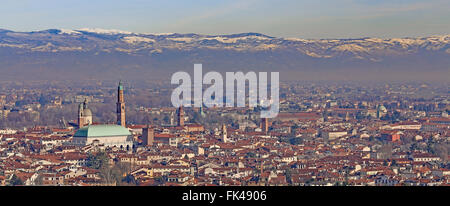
{"x":107,"y":135}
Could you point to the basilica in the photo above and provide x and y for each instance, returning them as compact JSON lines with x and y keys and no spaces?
{"x":109,"y":135}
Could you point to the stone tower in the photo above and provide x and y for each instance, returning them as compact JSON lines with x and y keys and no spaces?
{"x":180,"y":116}
{"x":84,"y":114}
{"x":224,"y":133}
{"x":120,"y":106}
{"x":265,"y":125}
{"x":172,"y":118}
{"x":148,"y":135}
{"x":80,"y":116}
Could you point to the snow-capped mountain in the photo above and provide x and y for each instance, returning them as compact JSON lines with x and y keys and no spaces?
{"x":54,"y":47}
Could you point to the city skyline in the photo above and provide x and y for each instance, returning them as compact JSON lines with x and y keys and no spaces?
{"x":224,"y":93}
{"x":327,"y":134}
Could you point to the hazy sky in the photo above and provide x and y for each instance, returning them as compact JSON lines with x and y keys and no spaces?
{"x":282,"y":18}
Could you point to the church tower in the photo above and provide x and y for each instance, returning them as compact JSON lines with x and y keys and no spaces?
{"x":120,"y":106}
{"x":180,"y":117}
{"x":148,"y":135}
{"x":172,"y":118}
{"x":80,"y":116}
{"x":84,"y":114}
{"x":265,"y":125}
{"x":224,"y":133}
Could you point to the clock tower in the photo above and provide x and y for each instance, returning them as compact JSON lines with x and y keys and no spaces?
{"x":120,"y":106}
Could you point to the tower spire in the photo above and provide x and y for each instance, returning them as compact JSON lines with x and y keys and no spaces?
{"x":80,"y":115}
{"x":180,"y":117}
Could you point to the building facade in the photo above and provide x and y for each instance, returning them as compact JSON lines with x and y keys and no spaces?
{"x":107,"y":135}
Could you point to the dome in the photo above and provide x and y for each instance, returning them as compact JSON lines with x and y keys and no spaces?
{"x":102,"y":131}
{"x":87,"y":112}
{"x":382,"y":108}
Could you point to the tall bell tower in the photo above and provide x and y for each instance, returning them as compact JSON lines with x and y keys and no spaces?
{"x":120,"y":106}
{"x":180,"y":116}
{"x":80,"y":116}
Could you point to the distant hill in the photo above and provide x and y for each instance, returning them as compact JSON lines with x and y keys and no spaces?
{"x":112,"y":54}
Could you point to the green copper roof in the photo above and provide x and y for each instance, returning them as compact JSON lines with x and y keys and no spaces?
{"x":120,"y":85}
{"x":104,"y":130}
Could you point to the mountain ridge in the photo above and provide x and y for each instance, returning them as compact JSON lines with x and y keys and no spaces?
{"x":88,"y":50}
{"x":318,"y":48}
